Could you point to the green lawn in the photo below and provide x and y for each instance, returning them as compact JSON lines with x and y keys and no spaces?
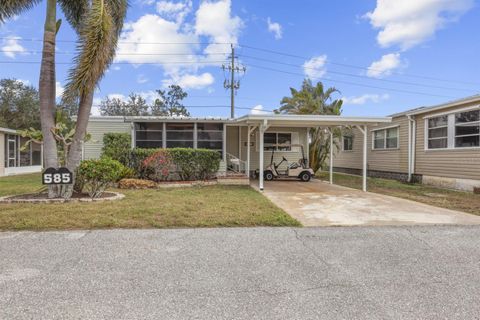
{"x":450,"y":199}
{"x":209,"y":206}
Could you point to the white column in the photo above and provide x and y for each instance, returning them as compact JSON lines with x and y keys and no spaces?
{"x":365,"y":150}
{"x":132,"y":135}
{"x":409,"y":149}
{"x":248,"y":150}
{"x":308,"y":148}
{"x":164,"y":135}
{"x":261,"y":132}
{"x":331,"y":155}
{"x":224,"y":138}
{"x":195,"y":136}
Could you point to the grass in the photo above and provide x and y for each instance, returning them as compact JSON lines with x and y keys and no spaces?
{"x":449,"y":199}
{"x":209,"y":206}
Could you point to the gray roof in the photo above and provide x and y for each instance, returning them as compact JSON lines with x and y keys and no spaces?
{"x":424,"y":109}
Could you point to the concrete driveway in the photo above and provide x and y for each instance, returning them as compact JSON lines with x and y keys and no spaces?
{"x":249,"y":273}
{"x":318,"y":203}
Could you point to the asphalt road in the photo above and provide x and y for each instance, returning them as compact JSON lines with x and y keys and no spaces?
{"x":262,"y":273}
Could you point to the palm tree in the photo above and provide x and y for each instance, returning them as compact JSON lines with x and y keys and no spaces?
{"x":98,"y":24}
{"x":314,"y":100}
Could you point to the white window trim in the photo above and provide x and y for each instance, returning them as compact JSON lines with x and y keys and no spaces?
{"x":281,"y":132}
{"x":343,"y":144}
{"x":451,"y":130}
{"x":385,"y":138}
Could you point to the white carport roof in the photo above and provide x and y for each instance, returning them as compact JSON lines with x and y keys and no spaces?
{"x":310,"y":120}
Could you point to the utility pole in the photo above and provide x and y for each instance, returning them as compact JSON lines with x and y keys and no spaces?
{"x":233,"y":84}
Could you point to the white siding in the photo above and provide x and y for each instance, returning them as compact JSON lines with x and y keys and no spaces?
{"x":97,"y":128}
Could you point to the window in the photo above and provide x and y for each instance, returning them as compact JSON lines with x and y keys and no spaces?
{"x":277,"y":141}
{"x":467,"y":129}
{"x":179,"y":135}
{"x":454,"y":130}
{"x":149,"y":135}
{"x":438,"y":132}
{"x":210,"y":136}
{"x":385,"y":138}
{"x":15,"y":156}
{"x":347,"y":143}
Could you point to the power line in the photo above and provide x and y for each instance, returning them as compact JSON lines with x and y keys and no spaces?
{"x":127,"y":63}
{"x":356,"y":75}
{"x":123,"y":54}
{"x":355,"y":84}
{"x":206,"y":106}
{"x":358,"y":67}
{"x":119,"y":41}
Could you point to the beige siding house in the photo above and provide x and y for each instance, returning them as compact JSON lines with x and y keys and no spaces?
{"x":437,"y":145}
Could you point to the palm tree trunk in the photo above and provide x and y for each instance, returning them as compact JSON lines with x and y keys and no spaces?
{"x":47,"y":92}
{"x":75,"y":150}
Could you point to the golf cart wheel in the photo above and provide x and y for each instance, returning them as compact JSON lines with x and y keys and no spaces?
{"x":305,"y":176}
{"x":268,"y":176}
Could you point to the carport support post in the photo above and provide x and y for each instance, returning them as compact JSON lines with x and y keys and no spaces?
{"x":248,"y":151}
{"x":331,"y":155}
{"x":363,"y":129}
{"x":262,"y":128}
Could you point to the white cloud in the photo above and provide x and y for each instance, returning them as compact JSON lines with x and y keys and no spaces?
{"x":275,"y":28}
{"x":407,"y":23}
{"x":141,"y":79}
{"x":174,"y":10}
{"x":315,"y":67}
{"x":191,"y":81}
{"x":363,"y":99}
{"x":59,"y":89}
{"x":385,"y":66}
{"x":258,"y":109}
{"x":11,"y":47}
{"x":215,"y":20}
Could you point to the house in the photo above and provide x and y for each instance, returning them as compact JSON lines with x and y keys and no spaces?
{"x":437,"y":145}
{"x":15,"y":160}
{"x":244,"y":142}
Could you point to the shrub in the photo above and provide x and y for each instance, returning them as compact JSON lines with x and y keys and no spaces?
{"x":98,"y":175}
{"x":158,"y":166}
{"x":136,"y":184}
{"x":117,"y":146}
{"x":136,"y":159}
{"x":195,"y":164}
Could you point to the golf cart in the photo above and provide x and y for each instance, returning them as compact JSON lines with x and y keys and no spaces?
{"x":294,"y":170}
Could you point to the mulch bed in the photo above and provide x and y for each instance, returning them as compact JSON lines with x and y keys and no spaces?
{"x":43,"y":198}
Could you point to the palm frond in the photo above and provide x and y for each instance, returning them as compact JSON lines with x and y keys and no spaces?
{"x":11,"y":8}
{"x":74,"y":11}
{"x":98,"y":38}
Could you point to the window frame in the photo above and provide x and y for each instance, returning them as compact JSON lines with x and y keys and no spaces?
{"x":276,"y":141}
{"x":451,"y":136}
{"x":343,"y":142}
{"x":385,"y":137}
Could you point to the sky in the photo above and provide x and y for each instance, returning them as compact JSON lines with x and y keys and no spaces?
{"x":384,"y":56}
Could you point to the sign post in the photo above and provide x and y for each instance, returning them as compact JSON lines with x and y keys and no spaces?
{"x":52,"y":176}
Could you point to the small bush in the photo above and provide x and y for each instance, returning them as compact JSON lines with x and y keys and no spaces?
{"x":136,"y":158}
{"x":158,"y":166}
{"x":136,"y":184}
{"x":117,"y":146}
{"x":98,"y":175}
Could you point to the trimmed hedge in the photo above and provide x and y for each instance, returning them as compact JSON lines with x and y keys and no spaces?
{"x":117,"y":146}
{"x":187,"y":163}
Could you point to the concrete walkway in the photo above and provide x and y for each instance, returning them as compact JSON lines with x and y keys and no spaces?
{"x":318,"y":203}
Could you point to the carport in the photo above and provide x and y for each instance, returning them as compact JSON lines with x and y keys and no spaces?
{"x":262,"y":122}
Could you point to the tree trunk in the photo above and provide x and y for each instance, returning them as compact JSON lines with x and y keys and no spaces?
{"x":47,"y":92}
{"x":75,"y":151}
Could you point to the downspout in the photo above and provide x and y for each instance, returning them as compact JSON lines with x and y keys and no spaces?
{"x":412,"y":130}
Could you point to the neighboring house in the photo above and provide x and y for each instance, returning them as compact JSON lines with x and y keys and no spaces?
{"x":239,"y":140}
{"x":438,"y":145}
{"x":14,"y":160}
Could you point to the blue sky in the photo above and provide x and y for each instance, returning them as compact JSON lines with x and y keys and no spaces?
{"x":385,"y":56}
